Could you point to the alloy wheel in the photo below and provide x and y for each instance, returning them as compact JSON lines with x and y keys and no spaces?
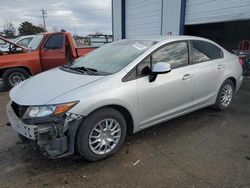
{"x":226,"y":95}
{"x":105,"y":136}
{"x":16,"y":78}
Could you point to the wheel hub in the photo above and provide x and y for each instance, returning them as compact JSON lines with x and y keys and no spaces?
{"x":16,"y":78}
{"x":104,"y":136}
{"x":226,"y":95}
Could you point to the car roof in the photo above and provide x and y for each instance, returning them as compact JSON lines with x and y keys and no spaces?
{"x":170,"y":37}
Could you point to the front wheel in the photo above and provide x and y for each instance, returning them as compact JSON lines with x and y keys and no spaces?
{"x":101,"y":134}
{"x":225,"y":96}
{"x":14,"y":76}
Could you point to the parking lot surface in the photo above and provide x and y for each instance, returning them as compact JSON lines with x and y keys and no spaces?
{"x":203,"y":149}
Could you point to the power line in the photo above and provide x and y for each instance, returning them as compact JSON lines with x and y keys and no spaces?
{"x":44,"y":15}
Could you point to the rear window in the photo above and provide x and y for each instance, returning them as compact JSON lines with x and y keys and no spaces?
{"x":205,"y":51}
{"x":55,"y":41}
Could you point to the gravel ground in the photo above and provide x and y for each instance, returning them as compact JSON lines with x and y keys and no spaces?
{"x":202,"y":149}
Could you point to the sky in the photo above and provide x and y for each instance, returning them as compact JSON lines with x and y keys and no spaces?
{"x":82,"y":16}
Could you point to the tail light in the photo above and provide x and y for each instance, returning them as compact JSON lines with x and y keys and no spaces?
{"x":241,"y":61}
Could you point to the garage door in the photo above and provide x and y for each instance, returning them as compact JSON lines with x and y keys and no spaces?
{"x":143,"y":18}
{"x":208,"y":11}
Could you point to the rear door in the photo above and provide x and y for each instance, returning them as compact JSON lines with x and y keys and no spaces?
{"x":209,"y":71}
{"x":53,"y":51}
{"x":171,"y":93}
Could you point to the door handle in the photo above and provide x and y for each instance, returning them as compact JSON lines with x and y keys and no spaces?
{"x":221,"y":67}
{"x":187,"y":76}
{"x":62,"y":52}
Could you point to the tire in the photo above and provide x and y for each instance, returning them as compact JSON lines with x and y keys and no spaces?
{"x":224,"y":103}
{"x":13,"y":76}
{"x":94,"y":137}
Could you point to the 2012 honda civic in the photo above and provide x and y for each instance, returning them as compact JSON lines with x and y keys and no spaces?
{"x":90,"y":104}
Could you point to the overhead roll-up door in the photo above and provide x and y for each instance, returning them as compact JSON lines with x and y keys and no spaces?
{"x":143,"y":18}
{"x":212,"y":11}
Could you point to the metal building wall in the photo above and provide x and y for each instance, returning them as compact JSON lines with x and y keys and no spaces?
{"x":211,"y":11}
{"x":117,"y":19}
{"x":146,"y":18}
{"x":172,"y":17}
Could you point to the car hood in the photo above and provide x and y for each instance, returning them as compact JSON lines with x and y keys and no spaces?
{"x":44,"y":87}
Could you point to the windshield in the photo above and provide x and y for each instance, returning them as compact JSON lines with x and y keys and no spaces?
{"x":113,"y":57}
{"x":35,"y":41}
{"x":2,"y":43}
{"x":16,"y":39}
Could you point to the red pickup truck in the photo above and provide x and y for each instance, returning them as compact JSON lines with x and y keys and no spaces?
{"x":46,"y":51}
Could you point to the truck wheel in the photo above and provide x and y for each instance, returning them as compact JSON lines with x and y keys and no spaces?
{"x":225,"y":96}
{"x":14,"y":76}
{"x":101,"y":134}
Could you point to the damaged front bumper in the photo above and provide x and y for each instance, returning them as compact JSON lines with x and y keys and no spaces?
{"x":56,"y":140}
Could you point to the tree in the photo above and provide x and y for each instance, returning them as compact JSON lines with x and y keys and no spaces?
{"x":9,"y":30}
{"x":27,"y":28}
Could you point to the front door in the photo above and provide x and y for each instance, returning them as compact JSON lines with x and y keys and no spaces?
{"x":53,"y":51}
{"x":170,"y":93}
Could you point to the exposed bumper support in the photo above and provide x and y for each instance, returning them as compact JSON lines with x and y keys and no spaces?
{"x":62,"y":146}
{"x":55,"y":141}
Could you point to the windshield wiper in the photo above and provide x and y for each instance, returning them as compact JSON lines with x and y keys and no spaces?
{"x":88,"y":70}
{"x":82,"y":69}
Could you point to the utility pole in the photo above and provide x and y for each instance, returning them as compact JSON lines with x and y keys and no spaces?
{"x":75,"y":32}
{"x":44,"y":15}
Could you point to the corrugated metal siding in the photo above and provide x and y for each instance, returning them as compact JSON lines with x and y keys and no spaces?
{"x":209,"y":11}
{"x":143,"y":18}
{"x":171,"y":16}
{"x":117,"y":19}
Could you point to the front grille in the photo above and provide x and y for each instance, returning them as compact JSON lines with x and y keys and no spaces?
{"x":19,"y":109}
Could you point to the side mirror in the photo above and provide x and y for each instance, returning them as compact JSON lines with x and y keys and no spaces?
{"x":159,"y":68}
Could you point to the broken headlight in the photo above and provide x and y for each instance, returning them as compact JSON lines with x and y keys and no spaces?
{"x":48,"y":110}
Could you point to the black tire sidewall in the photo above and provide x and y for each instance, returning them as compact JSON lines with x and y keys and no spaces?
{"x":82,"y":139}
{"x":8,"y":72}
{"x":218,"y":104}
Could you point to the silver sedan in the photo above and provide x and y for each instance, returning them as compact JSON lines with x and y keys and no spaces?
{"x":90,"y":104}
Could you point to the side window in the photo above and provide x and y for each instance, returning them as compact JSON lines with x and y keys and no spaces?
{"x":175,"y":54}
{"x":24,"y":42}
{"x":55,"y":42}
{"x":205,"y":51}
{"x":143,"y":68}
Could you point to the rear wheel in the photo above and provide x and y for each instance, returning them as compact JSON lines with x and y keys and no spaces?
{"x":225,"y":96}
{"x":14,"y":76}
{"x":101,"y":134}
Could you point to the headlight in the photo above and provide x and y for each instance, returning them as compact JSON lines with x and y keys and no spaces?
{"x":48,"y":110}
